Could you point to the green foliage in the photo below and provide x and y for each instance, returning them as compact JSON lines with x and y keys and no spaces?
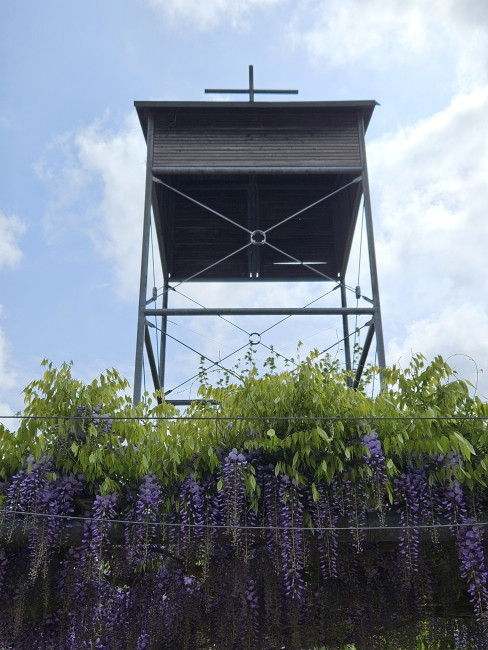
{"x":307,"y":425}
{"x":308,"y":422}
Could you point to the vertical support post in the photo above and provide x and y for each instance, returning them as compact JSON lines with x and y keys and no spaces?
{"x":164,"y":322}
{"x":378,"y":327}
{"x":345,"y":328}
{"x":251,"y":83}
{"x":151,"y":358}
{"x":364,"y":356}
{"x":141,"y":320}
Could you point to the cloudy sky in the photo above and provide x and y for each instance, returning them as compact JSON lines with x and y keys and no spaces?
{"x":73,"y":164}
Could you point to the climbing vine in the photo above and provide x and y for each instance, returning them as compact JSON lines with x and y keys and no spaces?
{"x":284,"y":511}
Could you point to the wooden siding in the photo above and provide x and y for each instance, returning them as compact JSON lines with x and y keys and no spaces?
{"x":256,"y":138}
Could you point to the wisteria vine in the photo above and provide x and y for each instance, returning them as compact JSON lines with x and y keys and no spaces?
{"x":291,"y":536}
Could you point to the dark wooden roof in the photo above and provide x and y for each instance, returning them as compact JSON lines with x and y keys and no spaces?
{"x":220,"y":109}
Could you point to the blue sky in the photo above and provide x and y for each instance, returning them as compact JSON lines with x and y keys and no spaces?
{"x":72,"y":157}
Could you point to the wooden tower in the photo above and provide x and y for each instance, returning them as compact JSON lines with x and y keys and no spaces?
{"x":254,"y":192}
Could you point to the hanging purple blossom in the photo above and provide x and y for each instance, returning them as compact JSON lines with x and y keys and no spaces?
{"x":234,"y":495}
{"x":375,"y":462}
{"x":325,"y":520}
{"x":291,"y":519}
{"x":409,"y":489}
{"x":147,"y":513}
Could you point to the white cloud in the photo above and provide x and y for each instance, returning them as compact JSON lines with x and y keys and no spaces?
{"x":377,"y":34}
{"x":118,"y":159}
{"x":98,"y":188}
{"x":8,"y":379}
{"x":456,"y":333}
{"x":430,"y":190}
{"x":210,"y":13}
{"x":11,"y":229}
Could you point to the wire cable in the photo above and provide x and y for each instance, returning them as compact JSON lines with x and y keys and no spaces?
{"x":305,"y":306}
{"x":246,"y":418}
{"x":202,"y":205}
{"x":242,"y":526}
{"x":324,"y":198}
{"x":308,"y":266}
{"x":214,"y":363}
{"x":189,"y":329}
{"x":203,"y":307}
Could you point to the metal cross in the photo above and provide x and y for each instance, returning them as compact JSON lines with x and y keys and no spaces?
{"x":251,"y":91}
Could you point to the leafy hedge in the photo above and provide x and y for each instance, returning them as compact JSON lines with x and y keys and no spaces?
{"x":246,"y":521}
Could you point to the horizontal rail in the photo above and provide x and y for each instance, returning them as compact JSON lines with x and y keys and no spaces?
{"x":254,"y":170}
{"x":262,"y":311}
{"x":239,"y":91}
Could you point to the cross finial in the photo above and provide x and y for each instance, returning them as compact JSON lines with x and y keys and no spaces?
{"x":251,"y":91}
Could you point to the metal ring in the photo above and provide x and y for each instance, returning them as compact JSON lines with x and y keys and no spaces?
{"x":256,"y":340}
{"x":258,"y":233}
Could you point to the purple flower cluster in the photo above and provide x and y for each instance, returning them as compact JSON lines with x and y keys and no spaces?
{"x":95,"y":538}
{"x":291,"y":518}
{"x":469,"y":544}
{"x":325,"y":517}
{"x":31,"y":492}
{"x":192,"y":512}
{"x":234,"y":569}
{"x":234,"y":494}
{"x":270,"y":510}
{"x":375,"y":461}
{"x":55,"y":498}
{"x":411,"y":489}
{"x":146,"y":512}
{"x":473,"y":570}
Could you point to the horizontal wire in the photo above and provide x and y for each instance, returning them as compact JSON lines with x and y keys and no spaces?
{"x":315,"y":418}
{"x":243,"y":527}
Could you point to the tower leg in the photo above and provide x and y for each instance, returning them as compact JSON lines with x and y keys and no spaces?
{"x":164,"y":322}
{"x":345,"y":329}
{"x":141,"y":319}
{"x":378,"y":327}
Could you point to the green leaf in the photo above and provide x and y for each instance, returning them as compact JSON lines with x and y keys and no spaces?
{"x":315,"y":493}
{"x":74,"y":448}
{"x":464,"y":445}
